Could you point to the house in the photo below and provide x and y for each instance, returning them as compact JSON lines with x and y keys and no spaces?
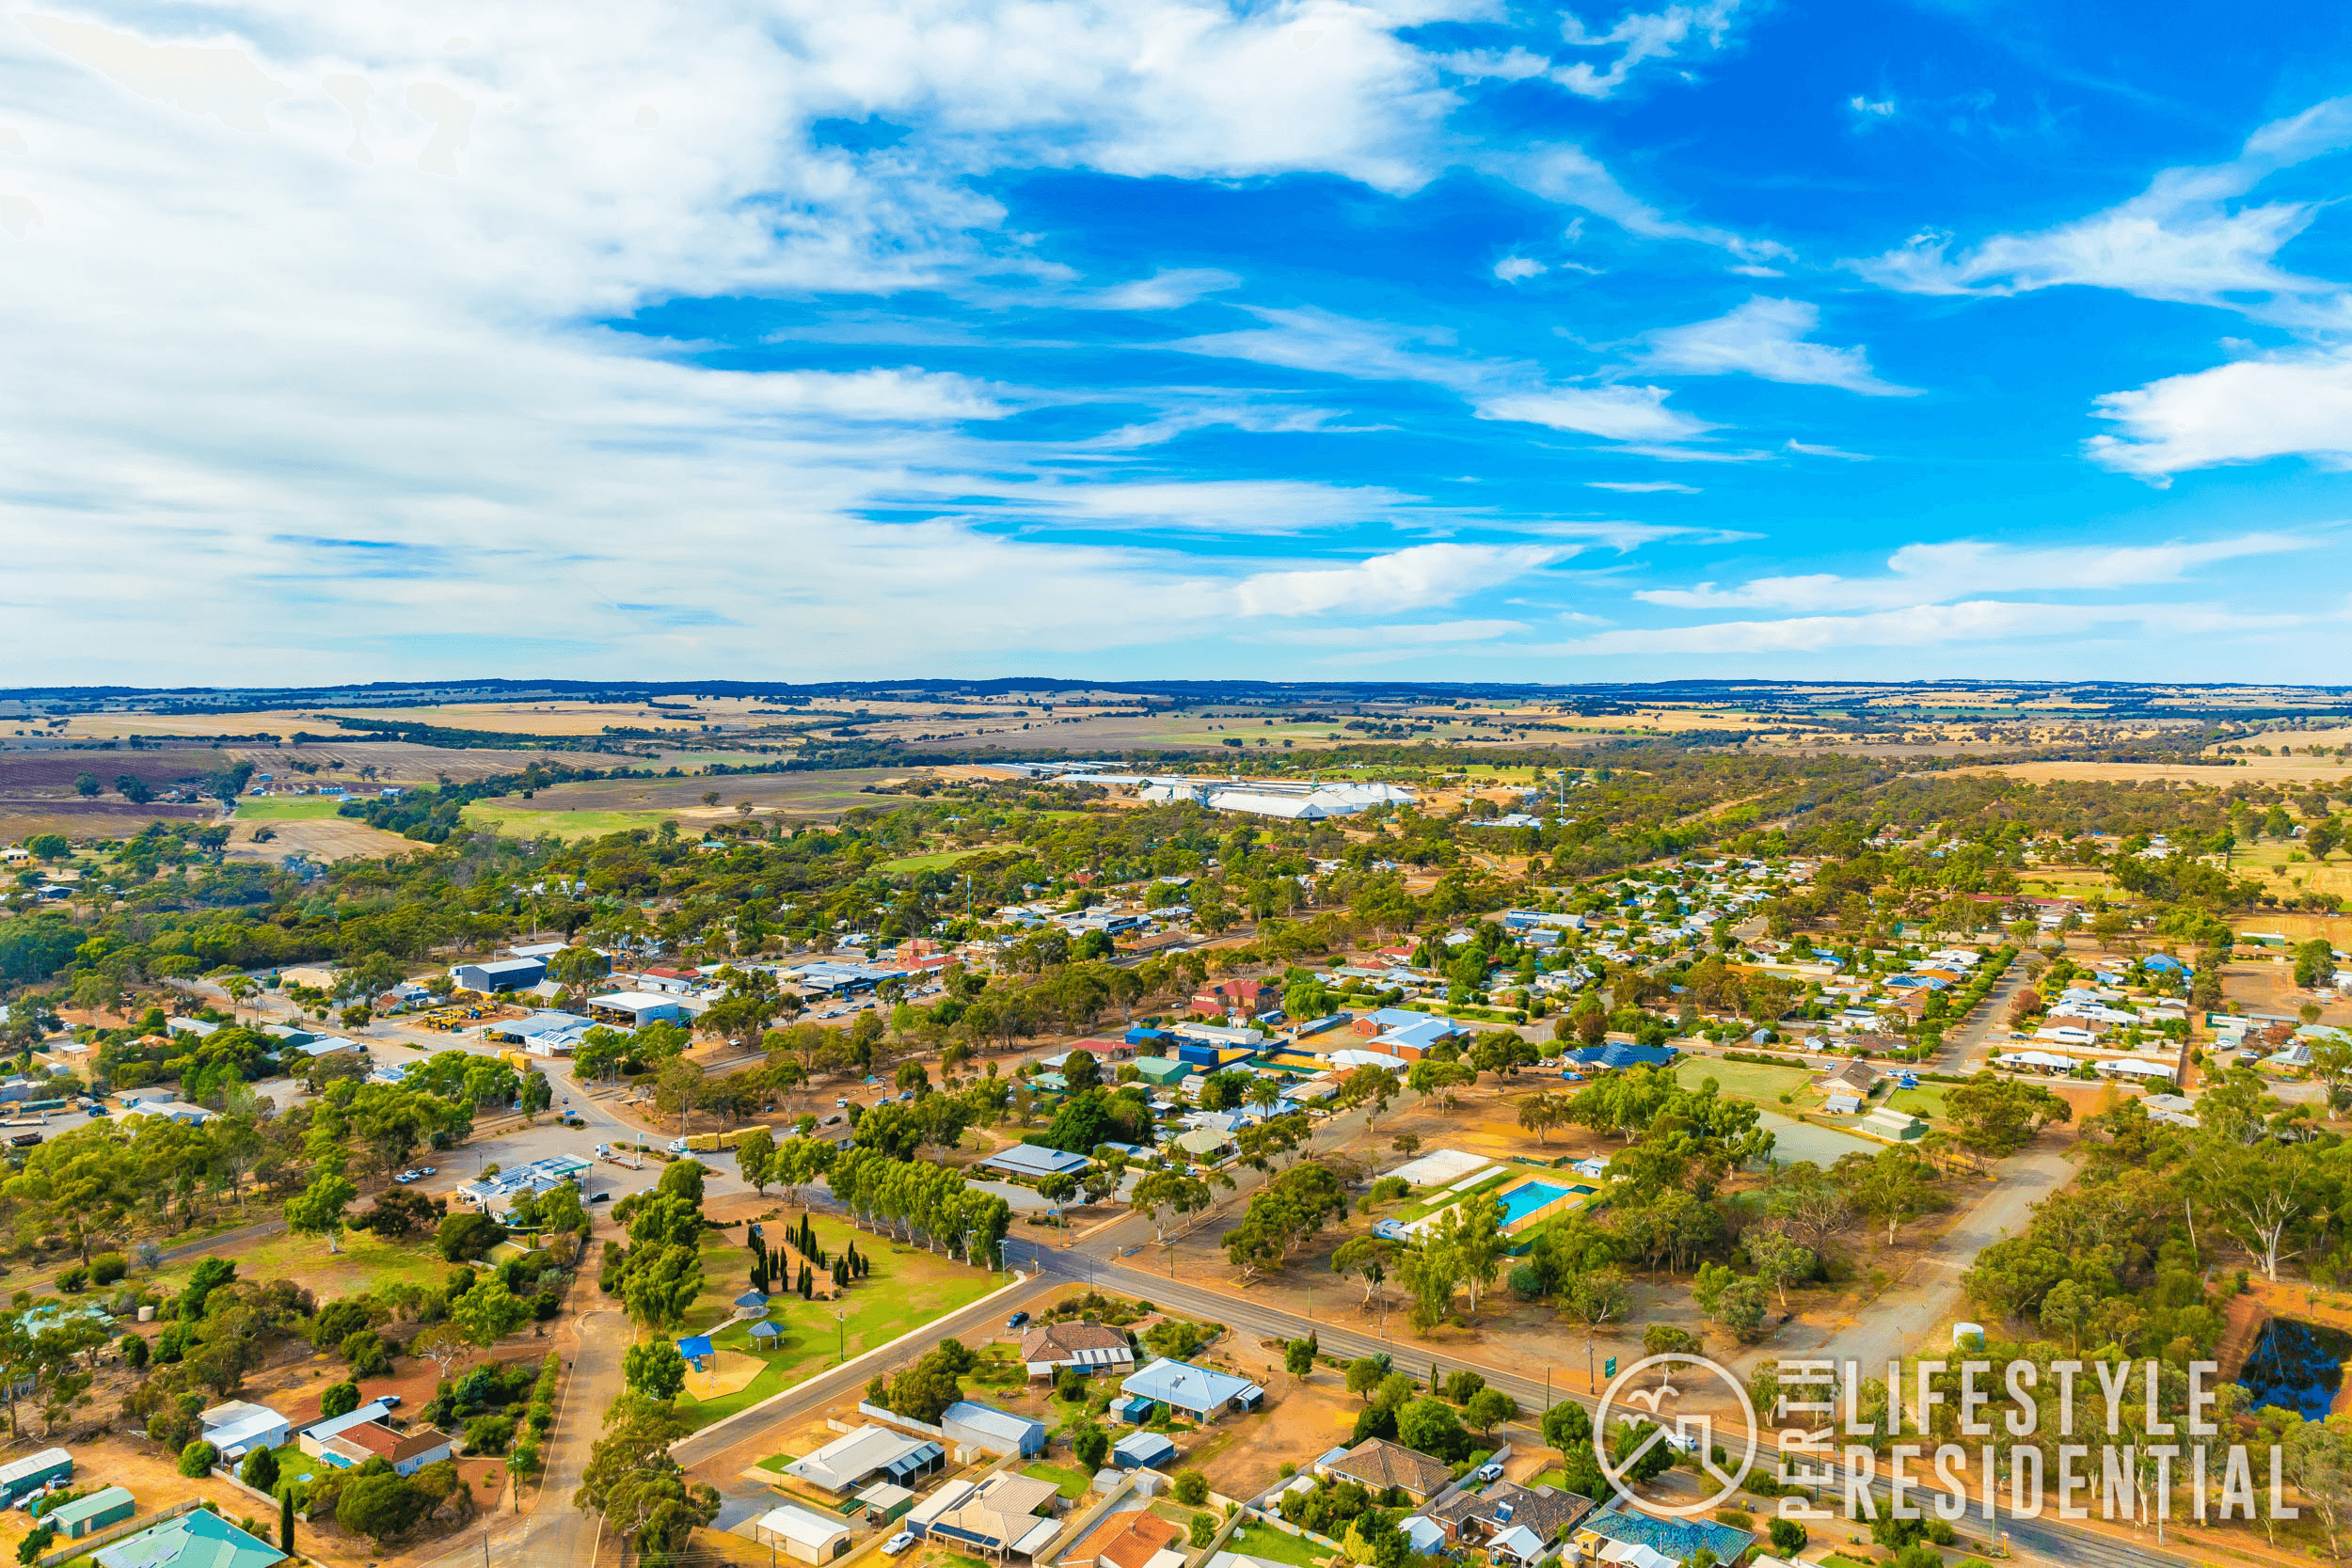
{"x":1026,"y":1162}
{"x":802,"y":1535}
{"x":1197,"y":1391}
{"x":1088,"y":1347}
{"x":1846,"y":1087}
{"x":236,"y":1428}
{"x":1619,"y":1055}
{"x":2127,"y":1067}
{"x":1142,"y":1451}
{"x":499,"y":974}
{"x":1376,"y":1464}
{"x":334,"y":1426}
{"x":1203,"y":1143}
{"x":1613,"y":1535}
{"x":196,"y":1026}
{"x":1138,"y":1540}
{"x":201,"y":1539}
{"x":107,"y":1506}
{"x":849,"y":1462}
{"x":170,"y":1110}
{"x":21,"y":1477}
{"x":1544,"y":1513}
{"x":998,"y":1516}
{"x":970,"y":1425}
{"x":406,"y":1452}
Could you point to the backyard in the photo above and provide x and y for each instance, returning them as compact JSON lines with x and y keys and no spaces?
{"x":1257,"y":1540}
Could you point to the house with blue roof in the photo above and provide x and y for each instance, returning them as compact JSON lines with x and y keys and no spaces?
{"x":1619,"y":1055}
{"x":971,"y":1425}
{"x":199,"y":1539}
{"x":1202,"y":1394}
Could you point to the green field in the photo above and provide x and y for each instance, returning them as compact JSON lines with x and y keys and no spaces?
{"x":1744,"y":1080}
{"x":937,"y":860}
{"x":1926,"y":1100}
{"x":365,"y":1263}
{"x":1274,"y":1545}
{"x":297,"y":808}
{"x":521,"y":821}
{"x":907,"y":1287}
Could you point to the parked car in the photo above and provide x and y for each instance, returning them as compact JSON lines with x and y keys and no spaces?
{"x":428,"y":1170}
{"x":408,"y":1176}
{"x":898,"y":1544}
{"x":1017,"y":1320}
{"x":1488,"y":1472}
{"x":601,"y":1198}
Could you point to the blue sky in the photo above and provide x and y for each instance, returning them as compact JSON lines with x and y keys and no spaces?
{"x":1416,"y":340}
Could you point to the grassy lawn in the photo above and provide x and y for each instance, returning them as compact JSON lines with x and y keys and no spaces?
{"x":1073,"y":1483}
{"x":365,"y":1263}
{"x":1744,"y":1080}
{"x":303,"y":808}
{"x":1256,"y":1540}
{"x":778,"y":1461}
{"x":938,"y":860}
{"x":1927,"y":1101}
{"x":907,"y":1289}
{"x":1553,"y":1477}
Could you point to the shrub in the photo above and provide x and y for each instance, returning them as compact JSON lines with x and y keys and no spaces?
{"x":524,"y":1461}
{"x":73,"y":1278}
{"x":197,"y":1458}
{"x":489,"y":1433}
{"x":259,"y":1470}
{"x":108,"y":1267}
{"x":1789,"y":1538}
{"x":463,"y":1237}
{"x":368,"y":1354}
{"x":1203,"y":1529}
{"x":1192,"y":1488}
{"x":339,"y":1399}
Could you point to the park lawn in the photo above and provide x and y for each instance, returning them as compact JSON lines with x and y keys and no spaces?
{"x":1257,"y":1540}
{"x":938,"y":860}
{"x":1073,"y":1482}
{"x":1744,"y":1080}
{"x":906,"y":1288}
{"x":297,"y":808}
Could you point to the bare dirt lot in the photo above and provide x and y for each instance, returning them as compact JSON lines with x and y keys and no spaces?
{"x":2297,"y":769}
{"x":326,"y":839}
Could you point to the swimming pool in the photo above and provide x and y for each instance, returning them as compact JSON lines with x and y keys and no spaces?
{"x":1528,"y":1197}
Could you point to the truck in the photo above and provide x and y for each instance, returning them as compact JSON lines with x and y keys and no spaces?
{"x":712,"y":1142}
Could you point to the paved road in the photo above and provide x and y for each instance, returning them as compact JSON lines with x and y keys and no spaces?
{"x":1968,"y":1040}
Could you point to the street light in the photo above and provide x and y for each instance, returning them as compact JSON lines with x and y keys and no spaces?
{"x":841,"y":1320}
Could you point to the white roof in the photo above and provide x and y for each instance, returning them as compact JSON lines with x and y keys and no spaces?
{"x":852,"y":1457}
{"x":1367,"y":1058}
{"x":2140,"y":1070}
{"x":633,"y":1001}
{"x":1441,"y":1167}
{"x":2033,"y":1058}
{"x":799,"y":1525}
{"x":1634,"y":1554}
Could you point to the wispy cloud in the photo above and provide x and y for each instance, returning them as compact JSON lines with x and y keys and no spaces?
{"x":1933,"y":573}
{"x":2181,"y":239}
{"x":1413,"y":579}
{"x":1643,"y":487}
{"x":1612,"y":413}
{"x":1765,"y":338}
{"x":1574,"y":178}
{"x":1918,"y":627}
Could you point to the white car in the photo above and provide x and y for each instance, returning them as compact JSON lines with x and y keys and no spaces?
{"x":408,"y":1176}
{"x":898,"y":1544}
{"x":1489,"y":1472}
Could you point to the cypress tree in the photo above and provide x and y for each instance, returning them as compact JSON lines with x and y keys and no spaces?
{"x":285,"y":1522}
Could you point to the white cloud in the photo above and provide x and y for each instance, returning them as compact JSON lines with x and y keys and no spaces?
{"x":2241,"y":413}
{"x":2181,"y":239}
{"x":1929,"y":573}
{"x":1915,"y":627}
{"x":1764,"y":338}
{"x":1613,"y":413}
{"x":1643,"y":487}
{"x":1573,"y":177}
{"x":1511,"y":269}
{"x":1639,"y":37}
{"x":386,"y":259}
{"x":1407,"y":635}
{"x":1883,"y":108}
{"x":1162,"y":291}
{"x":1804,"y":449}
{"x":1211,"y":506}
{"x":1412,"y":579}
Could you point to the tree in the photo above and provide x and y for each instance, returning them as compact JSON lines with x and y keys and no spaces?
{"x":1735,"y":1302}
{"x":338,"y":1398}
{"x":1364,"y":1375}
{"x":1490,"y":1408}
{"x":319,"y":1210}
{"x":1567,"y":1425}
{"x":464,"y":1237}
{"x":660,"y":1287}
{"x":1298,"y":1356}
{"x":1091,"y":1446}
{"x":655,"y":1371}
{"x":259,"y":1470}
{"x":755,"y":1159}
{"x":1996,"y":1117}
{"x":488,"y":1313}
{"x":1778,"y":1259}
{"x":380,"y":1506}
{"x":1429,"y":1426}
{"x":197,"y":1458}
{"x":1894,"y":1186}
